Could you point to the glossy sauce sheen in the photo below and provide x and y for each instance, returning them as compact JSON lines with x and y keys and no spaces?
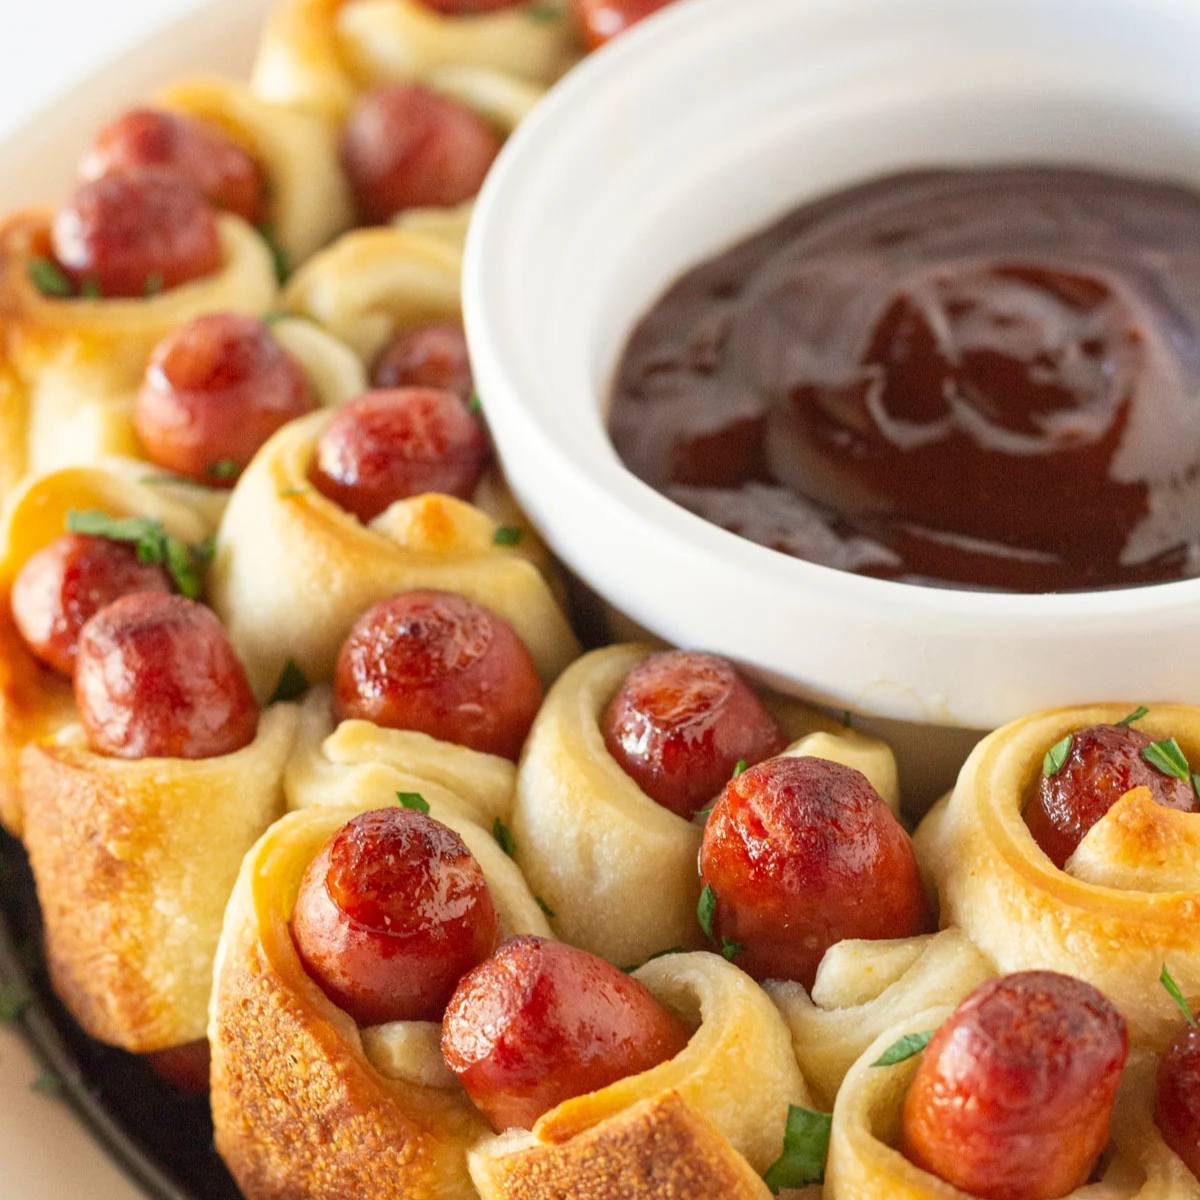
{"x":1013,"y":1097}
{"x":391,"y":914}
{"x":541,"y":1022}
{"x":971,"y":378}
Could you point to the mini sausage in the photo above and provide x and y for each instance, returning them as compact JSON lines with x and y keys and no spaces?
{"x":442,"y":665}
{"x":681,"y":723}
{"x":136,"y":232}
{"x":540,"y":1022}
{"x":198,"y":151}
{"x":1103,"y":763}
{"x":391,"y":914}
{"x":156,"y":677}
{"x":603,"y":20}
{"x":389,"y":446}
{"x":802,"y":853}
{"x":1013,"y":1097}
{"x":66,"y":583}
{"x":427,"y":356}
{"x":215,"y":390}
{"x":1177,"y":1101}
{"x":407,"y":147}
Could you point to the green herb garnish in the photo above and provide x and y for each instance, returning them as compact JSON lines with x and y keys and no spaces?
{"x":1053,"y":761}
{"x":475,"y":404}
{"x":544,"y":13}
{"x":1176,"y":994}
{"x":1137,"y":714}
{"x":805,"y":1149}
{"x":904,"y":1049}
{"x":49,"y":278}
{"x":706,"y":910}
{"x":1168,"y":757}
{"x":731,"y":949}
{"x":281,"y":260}
{"x":504,"y":838}
{"x":413,"y":800}
{"x":550,"y":913}
{"x":507,"y":535}
{"x":292,"y":683}
{"x":184,"y":563}
{"x":89,"y":289}
{"x":739,"y":768}
{"x":223,"y":468}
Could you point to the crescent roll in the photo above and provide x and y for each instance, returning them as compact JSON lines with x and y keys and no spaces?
{"x":308,"y":199}
{"x":320,"y":54}
{"x":1127,"y":901}
{"x":371,"y":1113}
{"x":863,"y":1164}
{"x":134,"y":861}
{"x":862,"y":989}
{"x":69,"y":368}
{"x":35,"y":702}
{"x":737,"y":1075}
{"x":294,"y":571}
{"x":618,"y":869}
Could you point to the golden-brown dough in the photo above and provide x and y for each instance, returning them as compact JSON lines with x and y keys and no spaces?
{"x":70,"y":368}
{"x":866,"y":1119}
{"x":35,"y":702}
{"x":357,"y":762}
{"x":1128,"y":899}
{"x":134,"y":862}
{"x":619,"y":870}
{"x":308,"y":199}
{"x":659,"y":1149}
{"x":320,"y":54}
{"x":294,"y":571}
{"x":862,"y":989}
{"x":737,"y":1070}
{"x":304,"y":1102}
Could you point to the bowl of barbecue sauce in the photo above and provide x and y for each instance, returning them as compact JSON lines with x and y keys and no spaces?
{"x":860,"y":342}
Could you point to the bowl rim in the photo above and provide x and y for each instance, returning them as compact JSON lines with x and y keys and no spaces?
{"x":663,"y":523}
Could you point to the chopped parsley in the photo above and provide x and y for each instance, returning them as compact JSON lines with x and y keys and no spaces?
{"x":805,"y":1149}
{"x":550,"y":913}
{"x":904,"y":1049}
{"x":657,"y":954}
{"x":1137,"y":714}
{"x":731,"y":949}
{"x":281,"y":260}
{"x":739,"y":768}
{"x":153,"y":544}
{"x":507,"y":535}
{"x":48,"y":1084}
{"x":413,"y":800}
{"x":1176,"y":994}
{"x":49,"y":278}
{"x":1053,"y":761}
{"x":504,"y":837}
{"x":1168,"y":757}
{"x":706,"y":910}
{"x":293,"y":683}
{"x":223,"y":468}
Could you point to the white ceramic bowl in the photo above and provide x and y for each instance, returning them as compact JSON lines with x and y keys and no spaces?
{"x":47,"y":1154}
{"x":706,"y":123}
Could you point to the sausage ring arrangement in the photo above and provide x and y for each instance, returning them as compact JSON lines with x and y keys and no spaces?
{"x":328,"y":809}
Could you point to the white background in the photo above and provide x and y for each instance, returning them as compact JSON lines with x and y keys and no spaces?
{"x":48,"y":45}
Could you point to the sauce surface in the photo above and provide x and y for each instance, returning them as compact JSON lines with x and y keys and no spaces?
{"x":985,"y":379}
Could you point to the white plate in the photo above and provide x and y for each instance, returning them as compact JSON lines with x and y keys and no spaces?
{"x":45,"y":1151}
